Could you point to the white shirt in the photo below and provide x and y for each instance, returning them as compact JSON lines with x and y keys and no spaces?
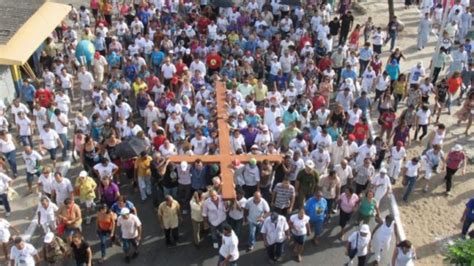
{"x":4,"y":231}
{"x":21,"y":108}
{"x":24,"y":126}
{"x":4,"y":183}
{"x":105,"y":170}
{"x":344,"y":174}
{"x":63,"y":102}
{"x":59,"y":122}
{"x":31,"y":161}
{"x":62,"y":190}
{"x":416,"y":74}
{"x":168,"y":70}
{"x":275,"y":232}
{"x":256,"y":210}
{"x":66,"y":81}
{"x":25,"y":256}
{"x":299,"y":225}
{"x":215,"y":214}
{"x":49,"y":139}
{"x":86,"y":79}
{"x":362,"y":243}
{"x":412,"y":170}
{"x":354,"y":116}
{"x":423,"y":117}
{"x":251,"y":175}
{"x":46,"y":183}
{"x":129,"y":226}
{"x":47,"y":215}
{"x":397,"y":155}
{"x":199,"y":146}
{"x":230,"y":246}
{"x":236,"y":214}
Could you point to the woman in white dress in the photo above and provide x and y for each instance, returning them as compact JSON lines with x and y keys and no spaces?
{"x":404,"y":254}
{"x":381,"y":185}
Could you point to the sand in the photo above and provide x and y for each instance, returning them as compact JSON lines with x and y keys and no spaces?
{"x":430,"y":219}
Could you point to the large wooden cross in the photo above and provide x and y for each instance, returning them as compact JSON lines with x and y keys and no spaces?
{"x":225,"y":158}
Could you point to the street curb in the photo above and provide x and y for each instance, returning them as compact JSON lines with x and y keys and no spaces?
{"x":393,"y":201}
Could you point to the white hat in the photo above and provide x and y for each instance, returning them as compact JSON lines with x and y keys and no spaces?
{"x":457,"y":147}
{"x":184,"y":165}
{"x":309,"y":164}
{"x":264,"y":128}
{"x":48,"y":238}
{"x":83,"y":173}
{"x":365,"y":229}
{"x":124,"y":211}
{"x":188,"y":51}
{"x":383,"y":170}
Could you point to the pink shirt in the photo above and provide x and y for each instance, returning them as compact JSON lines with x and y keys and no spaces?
{"x":347,"y":204}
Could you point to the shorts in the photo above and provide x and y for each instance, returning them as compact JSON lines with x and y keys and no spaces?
{"x":89,"y":203}
{"x":5,"y":238}
{"x":30,"y":177}
{"x":299,"y":239}
{"x":52,"y":153}
{"x":317,"y":227}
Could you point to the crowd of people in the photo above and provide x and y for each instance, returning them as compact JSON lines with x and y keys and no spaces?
{"x":298,"y":84}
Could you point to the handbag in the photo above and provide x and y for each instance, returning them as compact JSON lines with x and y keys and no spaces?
{"x":60,"y":229}
{"x":353,"y":251}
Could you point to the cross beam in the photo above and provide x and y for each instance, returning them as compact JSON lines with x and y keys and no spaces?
{"x":225,"y":158}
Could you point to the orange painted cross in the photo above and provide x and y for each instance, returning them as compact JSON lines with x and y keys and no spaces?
{"x":225,"y":158}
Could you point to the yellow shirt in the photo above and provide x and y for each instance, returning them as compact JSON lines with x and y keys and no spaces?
{"x":86,"y":188}
{"x":260,"y":92}
{"x":399,"y":87}
{"x":233,"y":38}
{"x":137,"y":87}
{"x":169,"y":214}
{"x":143,"y":166}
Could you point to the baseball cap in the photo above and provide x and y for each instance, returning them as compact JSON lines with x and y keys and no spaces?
{"x":48,"y":238}
{"x":83,"y":174}
{"x":124,"y":211}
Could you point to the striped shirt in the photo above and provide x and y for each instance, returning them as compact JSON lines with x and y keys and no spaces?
{"x":283,"y":195}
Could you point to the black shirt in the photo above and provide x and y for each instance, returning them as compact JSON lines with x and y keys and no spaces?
{"x":80,"y":252}
{"x":334,"y":26}
{"x":346,"y":21}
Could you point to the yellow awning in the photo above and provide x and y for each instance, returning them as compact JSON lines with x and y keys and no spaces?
{"x":30,"y":36}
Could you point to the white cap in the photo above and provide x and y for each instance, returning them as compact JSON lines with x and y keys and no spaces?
{"x":264,"y":128}
{"x":383,"y":170}
{"x":457,"y":147}
{"x":188,"y":51}
{"x":124,"y":211}
{"x":184,"y":165}
{"x":309,"y":164}
{"x":83,"y":173}
{"x":365,"y":229}
{"x":48,"y":238}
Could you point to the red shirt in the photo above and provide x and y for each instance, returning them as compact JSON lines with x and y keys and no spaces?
{"x":318,"y":101}
{"x":361,"y":131}
{"x":180,"y":68}
{"x":202,"y":24}
{"x":151,"y":81}
{"x":158,"y":141}
{"x":454,"y":84}
{"x":304,"y":40}
{"x":388,"y":119}
{"x":324,"y":63}
{"x":454,"y":159}
{"x":214,"y":61}
{"x":44,"y":97}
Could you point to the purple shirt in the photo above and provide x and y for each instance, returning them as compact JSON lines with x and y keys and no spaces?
{"x":109,"y":194}
{"x":249,"y":137}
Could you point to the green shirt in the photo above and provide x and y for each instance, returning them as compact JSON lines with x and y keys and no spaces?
{"x":367,"y":208}
{"x":308,"y":181}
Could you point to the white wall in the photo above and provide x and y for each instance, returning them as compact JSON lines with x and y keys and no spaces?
{"x":7,"y":87}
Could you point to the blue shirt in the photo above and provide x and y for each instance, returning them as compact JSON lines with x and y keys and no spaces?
{"x":470,"y":209}
{"x":393,"y":71}
{"x":130,"y":72}
{"x":290,"y":117}
{"x":28,"y":93}
{"x":157,"y":57}
{"x":116,"y":209}
{"x":363,"y":104}
{"x":348,"y":74}
{"x":365,"y":54}
{"x":316,"y":209}
{"x":113,"y":60}
{"x":198,"y":180}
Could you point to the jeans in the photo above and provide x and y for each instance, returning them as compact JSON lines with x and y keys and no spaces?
{"x":362,"y":66}
{"x":5,"y":202}
{"x":465,"y":226}
{"x":392,"y":36}
{"x":410,"y":185}
{"x":435,"y":75}
{"x":103,"y":237}
{"x":144,"y":185}
{"x":317,"y":227}
{"x":65,"y":141}
{"x":184,"y":195}
{"x":170,"y":191}
{"x":11,"y":158}
{"x":236,"y":225}
{"x":275,"y":250}
{"x":216,"y":232}
{"x":26,"y":141}
{"x":449,"y":178}
{"x":253,"y":230}
{"x":128,"y":243}
{"x":425,"y":131}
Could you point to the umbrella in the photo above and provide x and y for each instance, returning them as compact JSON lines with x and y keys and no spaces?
{"x":131,"y":148}
{"x":223,"y":3}
{"x":290,"y":2}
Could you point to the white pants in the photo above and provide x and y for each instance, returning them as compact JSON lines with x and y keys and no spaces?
{"x":49,"y":226}
{"x":380,"y":247}
{"x":394,"y":168}
{"x":428,"y":170}
{"x":144,"y":184}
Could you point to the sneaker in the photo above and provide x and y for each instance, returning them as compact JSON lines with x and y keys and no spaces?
{"x":250,"y":248}
{"x":7,"y":214}
{"x":215,"y":245}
